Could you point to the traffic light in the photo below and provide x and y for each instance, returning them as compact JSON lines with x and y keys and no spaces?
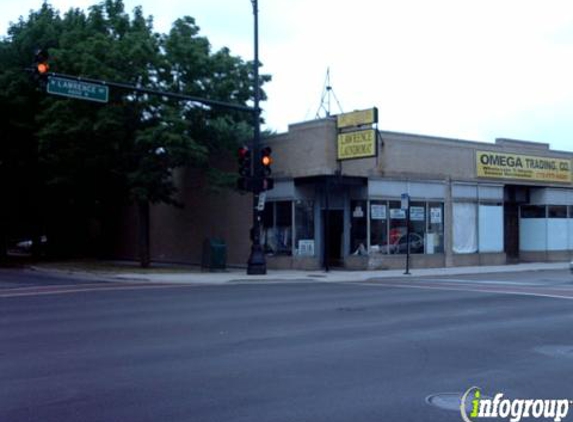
{"x":244,"y":180}
{"x":41,"y":66}
{"x":266,"y":160}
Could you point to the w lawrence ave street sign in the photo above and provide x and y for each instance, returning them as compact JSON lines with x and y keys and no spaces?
{"x":76,"y":89}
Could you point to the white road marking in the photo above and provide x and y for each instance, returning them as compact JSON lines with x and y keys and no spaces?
{"x":466,"y":289}
{"x":56,"y":291}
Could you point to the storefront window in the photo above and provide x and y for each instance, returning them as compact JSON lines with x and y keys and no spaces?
{"x":304,"y":233}
{"x":277,"y":228}
{"x":397,"y":233}
{"x":533,"y":228}
{"x":435,"y":235}
{"x":557,"y":228}
{"x":465,"y":227}
{"x":557,"y":211}
{"x":533,"y":211}
{"x":490,"y":228}
{"x":358,"y":227}
{"x":388,"y":227}
{"x":378,"y":226}
{"x":417,"y":226}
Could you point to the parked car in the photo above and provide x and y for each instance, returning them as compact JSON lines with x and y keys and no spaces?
{"x":25,"y":245}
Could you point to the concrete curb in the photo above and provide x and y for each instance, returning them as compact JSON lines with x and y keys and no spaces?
{"x":282,"y":276}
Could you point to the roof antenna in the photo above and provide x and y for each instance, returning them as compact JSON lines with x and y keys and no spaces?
{"x":326,"y":99}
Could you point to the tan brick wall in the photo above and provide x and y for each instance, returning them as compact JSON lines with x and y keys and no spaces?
{"x":178,"y":233}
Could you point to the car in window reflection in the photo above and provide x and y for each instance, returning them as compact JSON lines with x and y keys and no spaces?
{"x":400,"y":246}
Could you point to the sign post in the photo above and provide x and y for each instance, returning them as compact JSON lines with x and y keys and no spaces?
{"x":405,"y":205}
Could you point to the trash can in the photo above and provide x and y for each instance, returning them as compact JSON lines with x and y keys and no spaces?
{"x":214,"y":254}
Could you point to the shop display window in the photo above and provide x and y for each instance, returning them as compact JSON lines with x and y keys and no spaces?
{"x":358,"y":228}
{"x":388,"y":227}
{"x":435,"y":234}
{"x":378,"y":226}
{"x":557,"y":211}
{"x":277,"y":228}
{"x":304,"y":233}
{"x":465,"y":238}
{"x":533,"y":211}
{"x":417,"y":227}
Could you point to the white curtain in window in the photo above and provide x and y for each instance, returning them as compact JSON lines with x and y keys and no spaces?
{"x":465,"y":230}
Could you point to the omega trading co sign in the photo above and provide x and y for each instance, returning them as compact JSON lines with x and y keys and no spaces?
{"x":525,"y":167}
{"x":78,"y":89}
{"x":356,"y":137}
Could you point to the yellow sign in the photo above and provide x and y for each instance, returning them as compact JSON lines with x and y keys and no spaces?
{"x":358,"y":144}
{"x":357,"y":118}
{"x":525,"y":167}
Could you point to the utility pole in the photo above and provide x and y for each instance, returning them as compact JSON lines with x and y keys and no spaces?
{"x":256,"y":264}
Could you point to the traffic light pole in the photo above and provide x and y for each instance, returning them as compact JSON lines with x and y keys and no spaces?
{"x":149,"y":91}
{"x":256,"y":265}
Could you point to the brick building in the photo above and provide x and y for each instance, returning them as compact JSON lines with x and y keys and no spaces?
{"x":471,"y":203}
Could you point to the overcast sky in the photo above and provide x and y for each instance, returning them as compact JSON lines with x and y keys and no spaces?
{"x":473,"y":70}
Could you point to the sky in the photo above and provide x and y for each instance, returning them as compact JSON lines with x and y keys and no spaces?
{"x":475,"y":70}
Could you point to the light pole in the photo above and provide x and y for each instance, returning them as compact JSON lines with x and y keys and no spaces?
{"x":256,"y":265}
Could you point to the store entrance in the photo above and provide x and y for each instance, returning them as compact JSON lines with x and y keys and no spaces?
{"x":514,"y":196}
{"x":333,"y":230}
{"x":511,"y":231}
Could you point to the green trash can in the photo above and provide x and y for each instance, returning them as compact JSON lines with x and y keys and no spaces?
{"x":214,"y":254}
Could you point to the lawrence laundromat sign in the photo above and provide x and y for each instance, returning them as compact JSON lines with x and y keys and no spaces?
{"x":358,"y":144}
{"x":525,"y":167}
{"x":356,"y":137}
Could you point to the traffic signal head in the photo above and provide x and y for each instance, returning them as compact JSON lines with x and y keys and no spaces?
{"x":41,"y":66}
{"x":266,"y":160}
{"x":267,"y":183}
{"x":244,"y":156}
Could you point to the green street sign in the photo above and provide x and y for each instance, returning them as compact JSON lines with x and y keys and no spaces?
{"x":78,"y":89}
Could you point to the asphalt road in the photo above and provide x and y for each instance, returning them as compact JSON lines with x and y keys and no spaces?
{"x":279,"y":352}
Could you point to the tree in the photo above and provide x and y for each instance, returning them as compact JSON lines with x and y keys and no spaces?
{"x":88,"y":158}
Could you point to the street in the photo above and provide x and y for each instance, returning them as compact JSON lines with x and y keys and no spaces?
{"x":369,"y":351}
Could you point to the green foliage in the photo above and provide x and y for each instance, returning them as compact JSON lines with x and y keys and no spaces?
{"x":78,"y":157}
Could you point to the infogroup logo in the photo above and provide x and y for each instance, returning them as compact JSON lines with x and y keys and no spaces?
{"x":512,"y":409}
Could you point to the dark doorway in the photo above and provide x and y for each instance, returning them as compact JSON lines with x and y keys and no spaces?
{"x":511,"y":231}
{"x":514,"y":196}
{"x":333,"y":225}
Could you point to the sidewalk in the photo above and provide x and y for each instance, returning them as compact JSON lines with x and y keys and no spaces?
{"x":240,"y":276}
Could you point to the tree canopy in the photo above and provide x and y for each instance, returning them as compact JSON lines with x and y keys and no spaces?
{"x":66,"y":162}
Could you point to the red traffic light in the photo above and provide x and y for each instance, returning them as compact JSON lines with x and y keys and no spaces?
{"x":43,"y":68}
{"x":244,"y":161}
{"x":243,"y":152}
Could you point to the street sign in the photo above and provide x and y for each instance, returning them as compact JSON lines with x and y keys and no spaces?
{"x":78,"y":89}
{"x":262,"y":199}
{"x":404,"y":201}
